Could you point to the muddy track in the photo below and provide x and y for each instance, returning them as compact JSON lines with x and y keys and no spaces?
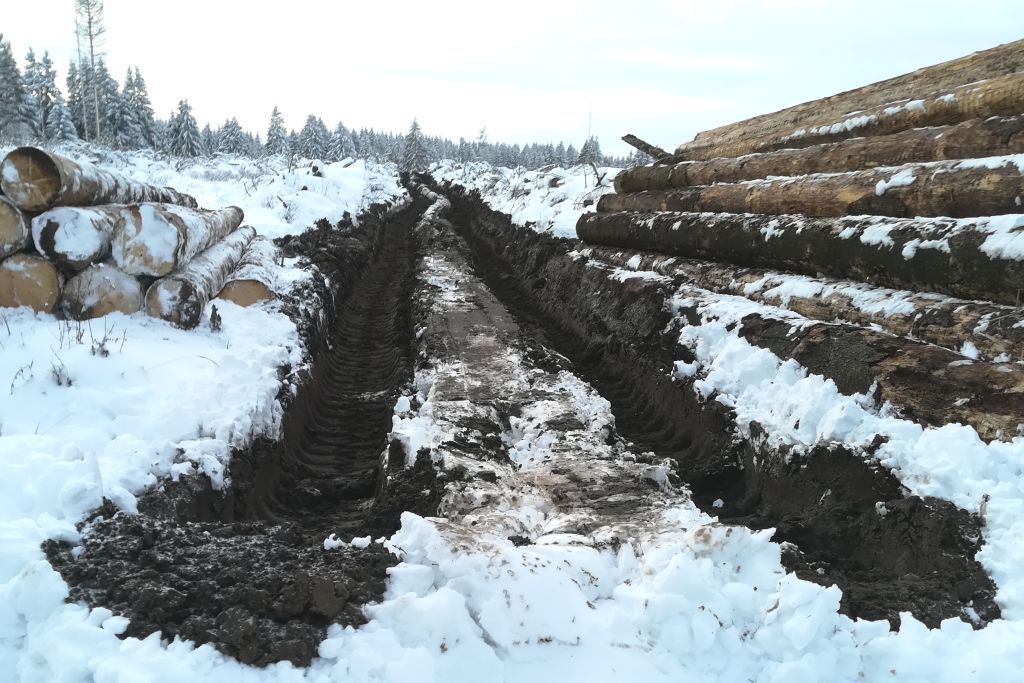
{"x":917,"y":557}
{"x":245,"y":569}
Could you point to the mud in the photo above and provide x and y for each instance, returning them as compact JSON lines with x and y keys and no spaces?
{"x":245,"y":568}
{"x":844,"y":520}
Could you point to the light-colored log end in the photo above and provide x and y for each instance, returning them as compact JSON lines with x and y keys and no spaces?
{"x":101,"y":289}
{"x":246,"y":292}
{"x":30,"y":178}
{"x":14,"y":229}
{"x":27,"y":280}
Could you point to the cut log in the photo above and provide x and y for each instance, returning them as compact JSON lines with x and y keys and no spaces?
{"x":976,"y":138}
{"x":928,"y":384}
{"x":76,"y":237}
{"x":647,"y":148}
{"x":29,"y":280}
{"x":985,"y":65}
{"x":181,"y":297}
{"x":252,"y":281}
{"x":957,"y":324}
{"x":37,"y":180}
{"x":976,"y":187}
{"x":156,"y":239}
{"x":14,"y":228}
{"x":972,"y":259}
{"x":1003,"y":96}
{"x":101,"y":289}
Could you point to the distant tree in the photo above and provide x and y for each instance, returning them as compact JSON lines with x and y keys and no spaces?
{"x":137,"y":97}
{"x":277,"y":135}
{"x":40,"y":81}
{"x":184,"y":140}
{"x":341,"y":145}
{"x":209,"y":141}
{"x":61,"y":126}
{"x":89,"y":28}
{"x":232,"y":139}
{"x":414,"y":152}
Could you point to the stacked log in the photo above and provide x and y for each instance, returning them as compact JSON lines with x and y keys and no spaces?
{"x":94,"y":242}
{"x":889,"y":220}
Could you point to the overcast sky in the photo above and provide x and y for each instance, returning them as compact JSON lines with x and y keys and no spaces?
{"x":527,"y":70}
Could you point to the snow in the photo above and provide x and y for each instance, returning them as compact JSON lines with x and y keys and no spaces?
{"x":901,"y":179}
{"x":83,"y":235}
{"x":105,"y":409}
{"x":548,"y":200}
{"x":801,"y":410}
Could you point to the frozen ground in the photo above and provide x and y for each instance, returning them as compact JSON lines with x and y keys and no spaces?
{"x":550,"y":199}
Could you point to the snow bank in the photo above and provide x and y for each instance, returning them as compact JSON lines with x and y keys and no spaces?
{"x":549,"y":200}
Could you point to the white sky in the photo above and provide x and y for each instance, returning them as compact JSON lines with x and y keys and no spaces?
{"x":529,"y":71}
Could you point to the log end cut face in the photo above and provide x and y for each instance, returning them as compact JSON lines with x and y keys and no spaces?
{"x":176,"y":301}
{"x":245,"y":292}
{"x":27,"y":280}
{"x":14,"y":231}
{"x":31,"y":178}
{"x":101,"y":289}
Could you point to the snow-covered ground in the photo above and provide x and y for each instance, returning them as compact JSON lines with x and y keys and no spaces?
{"x":105,"y":409}
{"x":550,"y":199}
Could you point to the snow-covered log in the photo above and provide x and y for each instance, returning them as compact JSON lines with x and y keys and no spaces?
{"x":993,"y":331}
{"x":181,"y":297}
{"x":76,"y":237}
{"x":101,"y":289}
{"x":975,"y":187}
{"x":957,"y":77}
{"x":971,"y":139}
{"x":29,"y":280}
{"x":979,"y":258}
{"x":37,"y":180}
{"x":252,"y":280}
{"x":14,"y":229}
{"x":156,"y":239}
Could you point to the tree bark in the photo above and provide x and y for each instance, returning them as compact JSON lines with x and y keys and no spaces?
{"x":156,"y":239}
{"x":181,"y":297}
{"x":644,"y":146}
{"x":995,"y":331}
{"x":37,"y":180}
{"x":76,"y":237}
{"x":101,"y":289}
{"x":968,"y":140}
{"x":14,"y":228}
{"x":948,"y":188}
{"x":941,"y":78}
{"x":252,"y":280}
{"x":29,"y":280}
{"x":968,"y":259}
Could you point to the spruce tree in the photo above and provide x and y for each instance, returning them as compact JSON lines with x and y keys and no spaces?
{"x":232,"y":139}
{"x":61,"y":126}
{"x":414,"y":152}
{"x":184,"y":140}
{"x":277,"y":136}
{"x":137,"y":96}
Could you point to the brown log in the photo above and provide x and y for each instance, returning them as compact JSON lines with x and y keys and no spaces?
{"x":156,"y":239}
{"x":947,"y":188}
{"x":14,"y":228}
{"x":76,"y":237}
{"x":995,"y":331}
{"x":252,"y":280}
{"x":37,"y":180}
{"x":29,"y":280}
{"x":101,"y":289}
{"x":976,"y":138}
{"x":644,"y":146}
{"x":1003,"y":96}
{"x":181,"y":297}
{"x":989,"y":64}
{"x":899,"y":253}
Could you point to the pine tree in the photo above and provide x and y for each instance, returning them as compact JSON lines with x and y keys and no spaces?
{"x":184,"y":140}
{"x":232,"y":139}
{"x":90,"y":30}
{"x":137,"y":97}
{"x":41,"y":83}
{"x":414,"y":152}
{"x":61,"y":126}
{"x":314,"y":139}
{"x":277,"y":136}
{"x":10,"y":94}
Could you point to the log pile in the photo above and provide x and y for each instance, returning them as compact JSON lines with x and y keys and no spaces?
{"x":82,"y":243}
{"x":893,"y":214}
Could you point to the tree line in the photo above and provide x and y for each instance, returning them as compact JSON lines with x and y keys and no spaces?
{"x":98,"y":109}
